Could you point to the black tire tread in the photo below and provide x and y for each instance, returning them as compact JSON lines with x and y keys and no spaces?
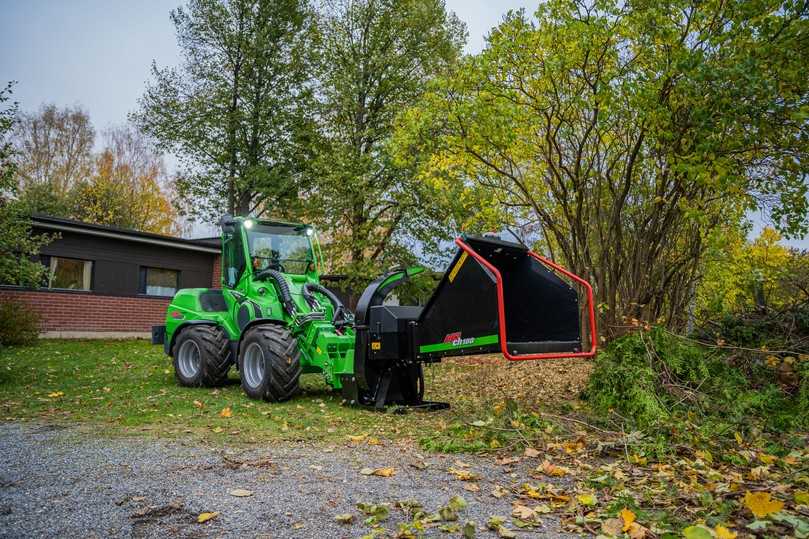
{"x":282,"y":360}
{"x":215,"y":355}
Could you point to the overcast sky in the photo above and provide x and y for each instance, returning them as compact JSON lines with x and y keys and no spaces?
{"x":97,"y":53}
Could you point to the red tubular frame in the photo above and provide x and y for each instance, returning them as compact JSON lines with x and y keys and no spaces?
{"x":501,"y":309}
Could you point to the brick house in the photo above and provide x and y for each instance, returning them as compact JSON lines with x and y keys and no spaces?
{"x":111,"y":282}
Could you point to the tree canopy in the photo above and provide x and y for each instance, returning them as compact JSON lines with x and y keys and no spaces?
{"x":236,"y":113}
{"x":58,"y":173}
{"x":627,"y":137}
{"x":376,"y":58}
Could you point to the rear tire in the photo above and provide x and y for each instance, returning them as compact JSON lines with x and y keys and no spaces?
{"x":269,"y":363}
{"x":201,"y":356}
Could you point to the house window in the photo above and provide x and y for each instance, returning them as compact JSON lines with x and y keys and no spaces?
{"x":158,"y":281}
{"x":69,"y":273}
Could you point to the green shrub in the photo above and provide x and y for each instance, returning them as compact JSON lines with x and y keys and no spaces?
{"x":652,"y":378}
{"x":18,"y":323}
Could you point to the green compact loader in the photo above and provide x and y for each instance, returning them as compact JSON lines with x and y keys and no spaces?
{"x":273,"y":320}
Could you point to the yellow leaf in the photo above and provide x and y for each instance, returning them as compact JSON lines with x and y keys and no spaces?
{"x":463,"y":475}
{"x":628,"y":517}
{"x":56,"y":394}
{"x":762,"y":504}
{"x":586,"y":499}
{"x":724,"y":533}
{"x":552,"y":470}
{"x":356,"y":439}
{"x":802,"y":497}
{"x":226,"y":412}
{"x":385,"y":472}
{"x":738,"y":438}
{"x":205,"y":517}
{"x":636,"y":531}
{"x":767,"y":459}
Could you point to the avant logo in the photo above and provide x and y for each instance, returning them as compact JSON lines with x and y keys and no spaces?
{"x":455,"y":339}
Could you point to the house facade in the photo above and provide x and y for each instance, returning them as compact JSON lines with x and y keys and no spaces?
{"x":111,"y":282}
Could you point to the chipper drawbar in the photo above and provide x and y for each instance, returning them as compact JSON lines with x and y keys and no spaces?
{"x":273,"y":319}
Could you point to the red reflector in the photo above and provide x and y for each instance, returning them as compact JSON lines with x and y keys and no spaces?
{"x":176,"y":314}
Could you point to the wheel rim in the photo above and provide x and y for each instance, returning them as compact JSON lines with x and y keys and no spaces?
{"x":188,"y":359}
{"x":253,"y":365}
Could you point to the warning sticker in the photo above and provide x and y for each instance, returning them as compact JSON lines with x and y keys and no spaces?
{"x":457,"y":267}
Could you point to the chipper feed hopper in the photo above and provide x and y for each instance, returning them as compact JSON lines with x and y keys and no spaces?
{"x":273,"y":320}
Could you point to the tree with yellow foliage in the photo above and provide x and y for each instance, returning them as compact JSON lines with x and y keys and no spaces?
{"x":124,"y":189}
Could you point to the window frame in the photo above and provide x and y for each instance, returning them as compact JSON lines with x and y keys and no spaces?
{"x":143,"y":277}
{"x":47,"y":262}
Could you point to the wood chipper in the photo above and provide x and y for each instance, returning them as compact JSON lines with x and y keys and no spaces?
{"x":273,"y":320}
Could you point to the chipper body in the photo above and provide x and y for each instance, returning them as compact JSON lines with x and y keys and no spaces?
{"x":273,"y":320}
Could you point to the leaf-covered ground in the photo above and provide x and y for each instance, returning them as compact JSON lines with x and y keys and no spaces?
{"x":559,"y":460}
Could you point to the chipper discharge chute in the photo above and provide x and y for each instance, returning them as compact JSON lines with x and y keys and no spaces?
{"x":273,"y":320}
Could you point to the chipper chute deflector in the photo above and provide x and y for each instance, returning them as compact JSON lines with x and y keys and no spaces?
{"x":273,"y":319}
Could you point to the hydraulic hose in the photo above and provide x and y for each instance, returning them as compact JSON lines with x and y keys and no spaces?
{"x":339,"y":308}
{"x":283,"y":289}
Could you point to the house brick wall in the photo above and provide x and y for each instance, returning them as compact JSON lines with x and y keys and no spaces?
{"x":78,"y":314}
{"x":216,"y":277}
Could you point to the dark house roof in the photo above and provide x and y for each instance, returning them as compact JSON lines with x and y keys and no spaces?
{"x":58,"y":224}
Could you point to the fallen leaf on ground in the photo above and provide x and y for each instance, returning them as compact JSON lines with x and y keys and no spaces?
{"x":762,"y":504}
{"x":505,"y":533}
{"x":56,"y":394}
{"x":552,"y":470}
{"x":464,"y":475}
{"x":468,"y":531}
{"x":205,"y":517}
{"x":587,"y":500}
{"x":240,"y":492}
{"x":612,"y":526}
{"x":636,"y":531}
{"x":498,"y":491}
{"x":697,"y":532}
{"x":379,"y":472}
{"x":507,"y":460}
{"x":531,"y":453}
{"x":226,"y":412}
{"x":344,"y":518}
{"x":471,"y":487}
{"x":495,"y":522}
{"x":198,"y":404}
{"x":523,"y":512}
{"x":724,"y":533}
{"x":628,"y":517}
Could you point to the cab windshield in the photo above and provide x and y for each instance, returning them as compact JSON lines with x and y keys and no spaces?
{"x":280,"y":247}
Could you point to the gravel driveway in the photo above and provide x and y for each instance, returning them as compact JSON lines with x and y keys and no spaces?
{"x":63,"y":482}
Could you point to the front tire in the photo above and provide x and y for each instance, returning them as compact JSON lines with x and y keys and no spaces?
{"x":201,"y":356}
{"x":269,"y":363}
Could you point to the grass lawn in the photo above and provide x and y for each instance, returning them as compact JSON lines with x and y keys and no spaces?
{"x":128,"y":387}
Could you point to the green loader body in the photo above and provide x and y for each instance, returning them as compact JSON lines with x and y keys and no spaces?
{"x":273,"y":320}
